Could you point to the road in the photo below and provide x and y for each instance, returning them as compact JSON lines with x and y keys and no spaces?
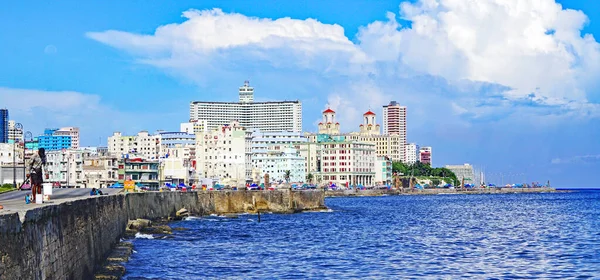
{"x":15,"y":200}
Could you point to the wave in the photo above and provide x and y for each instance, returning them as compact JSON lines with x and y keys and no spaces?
{"x":143,"y":236}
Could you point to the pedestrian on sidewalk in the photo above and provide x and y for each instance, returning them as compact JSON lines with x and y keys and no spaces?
{"x":36,"y":166}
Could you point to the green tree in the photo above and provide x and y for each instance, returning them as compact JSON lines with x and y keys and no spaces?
{"x":287,"y":176}
{"x":435,"y":182}
{"x":309,"y":178}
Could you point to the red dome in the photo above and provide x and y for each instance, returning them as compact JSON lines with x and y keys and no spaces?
{"x":368,"y":113}
{"x":337,"y":123}
{"x":328,"y":111}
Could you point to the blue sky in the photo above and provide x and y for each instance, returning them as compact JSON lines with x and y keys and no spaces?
{"x":509,"y":88}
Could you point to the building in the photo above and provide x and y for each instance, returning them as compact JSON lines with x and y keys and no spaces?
{"x":333,"y":159}
{"x":195,"y":127}
{"x":276,"y":162}
{"x":142,"y":145}
{"x":33,"y":145}
{"x":383,"y":170}
{"x":385,"y":145}
{"x":412,"y":153}
{"x":53,"y":142}
{"x":464,"y":171}
{"x":65,"y":167}
{"x":3,"y":125}
{"x":394,"y":119}
{"x":226,"y":154}
{"x":425,"y":155}
{"x":178,"y":165}
{"x":99,"y":169}
{"x":142,"y":172}
{"x":73,"y":132}
{"x":15,"y":134}
{"x":10,"y":153}
{"x":269,"y":116}
{"x":329,"y":125}
{"x":173,"y":139}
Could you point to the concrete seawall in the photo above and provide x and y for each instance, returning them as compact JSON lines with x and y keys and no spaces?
{"x":69,"y":240}
{"x":344,"y":193}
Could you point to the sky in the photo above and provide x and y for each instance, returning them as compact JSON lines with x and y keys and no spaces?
{"x":510,"y":86}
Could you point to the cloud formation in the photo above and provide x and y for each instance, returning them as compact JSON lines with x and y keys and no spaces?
{"x":491,"y":59}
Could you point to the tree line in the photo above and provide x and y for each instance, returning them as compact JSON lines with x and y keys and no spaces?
{"x":420,"y":169}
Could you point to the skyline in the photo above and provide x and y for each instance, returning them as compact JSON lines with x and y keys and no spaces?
{"x":506,"y":87}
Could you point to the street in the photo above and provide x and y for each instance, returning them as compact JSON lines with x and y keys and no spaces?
{"x":15,"y":200}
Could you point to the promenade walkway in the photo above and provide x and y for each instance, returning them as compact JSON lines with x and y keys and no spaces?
{"x":15,"y":201}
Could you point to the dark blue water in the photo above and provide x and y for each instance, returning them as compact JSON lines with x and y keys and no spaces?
{"x":439,"y":236}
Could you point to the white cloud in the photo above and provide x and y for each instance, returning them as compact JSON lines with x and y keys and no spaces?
{"x":577,"y":159}
{"x":40,"y":109}
{"x":528,"y":46}
{"x":523,"y":46}
{"x":209,"y":35}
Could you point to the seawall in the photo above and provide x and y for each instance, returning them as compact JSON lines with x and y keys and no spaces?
{"x":380,"y":192}
{"x":71,"y":239}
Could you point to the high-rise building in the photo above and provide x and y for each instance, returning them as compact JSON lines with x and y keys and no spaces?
{"x":271,"y":116}
{"x":3,"y":125}
{"x":425,"y":155}
{"x":394,"y":119}
{"x":412,"y":153}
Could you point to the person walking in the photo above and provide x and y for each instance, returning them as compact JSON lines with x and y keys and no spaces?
{"x":36,"y":166}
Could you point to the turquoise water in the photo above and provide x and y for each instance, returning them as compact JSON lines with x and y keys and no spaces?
{"x":439,"y":236}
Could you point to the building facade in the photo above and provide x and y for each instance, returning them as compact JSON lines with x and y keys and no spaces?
{"x":142,"y":145}
{"x":15,"y":134}
{"x":276,"y":162}
{"x":383,"y":170}
{"x":73,"y":132}
{"x":265,"y":116}
{"x":394,"y":119}
{"x":178,"y":165}
{"x":143,"y":172}
{"x":225,"y":154}
{"x":3,"y":125}
{"x":53,"y":142}
{"x":7,"y":150}
{"x":99,"y":170}
{"x":425,"y":155}
{"x":195,"y":127}
{"x":340,"y":162}
{"x":386,"y":145}
{"x":463,"y":172}
{"x":412,"y":153}
{"x":65,"y":168}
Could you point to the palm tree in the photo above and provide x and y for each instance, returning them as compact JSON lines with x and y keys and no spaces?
{"x":287,"y":176}
{"x":309,"y":178}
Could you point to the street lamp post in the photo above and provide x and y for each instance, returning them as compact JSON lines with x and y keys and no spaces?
{"x":18,"y":127}
{"x":25,"y":137}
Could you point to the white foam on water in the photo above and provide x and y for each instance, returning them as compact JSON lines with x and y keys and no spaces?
{"x":144,"y":236}
{"x":191,"y":218}
{"x":326,"y":211}
{"x":214,"y":215}
{"x":250,"y":220}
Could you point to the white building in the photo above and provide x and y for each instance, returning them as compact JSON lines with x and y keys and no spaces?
{"x":195,"y":127}
{"x":225,"y":154}
{"x":14,"y":134}
{"x":331,"y":159}
{"x":276,"y":162}
{"x":412,"y":153}
{"x":65,"y":167}
{"x":270,"y":116}
{"x":142,"y":144}
{"x":70,"y":131}
{"x":464,"y":171}
{"x":179,"y":164}
{"x":383,"y":170}
{"x":7,"y":150}
{"x":99,"y":171}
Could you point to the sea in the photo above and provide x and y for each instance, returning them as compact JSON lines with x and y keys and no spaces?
{"x":500,"y":236}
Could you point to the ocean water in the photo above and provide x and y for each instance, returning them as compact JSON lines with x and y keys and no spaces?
{"x":426,"y":237}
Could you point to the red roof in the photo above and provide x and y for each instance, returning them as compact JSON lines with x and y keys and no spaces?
{"x":369,"y":113}
{"x":320,"y":123}
{"x":328,"y":111}
{"x":337,"y":123}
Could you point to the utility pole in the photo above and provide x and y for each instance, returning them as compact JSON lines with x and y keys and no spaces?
{"x":18,"y":127}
